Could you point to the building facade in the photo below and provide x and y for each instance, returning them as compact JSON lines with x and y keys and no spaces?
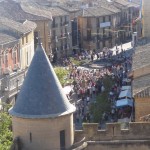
{"x":17,"y":50}
{"x":94,"y":26}
{"x":32,"y":12}
{"x":115,"y":26}
{"x":61,"y":38}
{"x":141,"y":81}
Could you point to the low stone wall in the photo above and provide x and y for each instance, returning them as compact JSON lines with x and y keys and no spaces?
{"x":114,"y":138}
{"x":113,"y":131}
{"x":119,"y":145}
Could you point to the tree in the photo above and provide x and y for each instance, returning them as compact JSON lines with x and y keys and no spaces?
{"x":102,"y":104}
{"x":5,"y":131}
{"x":62,"y":75}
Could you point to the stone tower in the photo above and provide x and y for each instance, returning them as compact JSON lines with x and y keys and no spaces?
{"x":146,"y":18}
{"x":42,"y":117}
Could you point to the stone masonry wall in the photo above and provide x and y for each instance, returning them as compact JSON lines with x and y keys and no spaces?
{"x":114,"y":138}
{"x":142,"y":107}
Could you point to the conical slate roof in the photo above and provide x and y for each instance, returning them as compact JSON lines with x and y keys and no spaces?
{"x":41,"y":95}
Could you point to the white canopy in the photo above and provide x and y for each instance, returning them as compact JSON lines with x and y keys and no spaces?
{"x":67,"y":89}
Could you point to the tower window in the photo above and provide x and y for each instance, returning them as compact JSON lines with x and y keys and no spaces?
{"x":62,"y":140}
{"x":30,"y":137}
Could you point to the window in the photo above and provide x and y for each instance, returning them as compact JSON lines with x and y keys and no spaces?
{"x":35,"y":38}
{"x":14,"y":57}
{"x":30,"y":137}
{"x":103,"y":31}
{"x":66,"y":31}
{"x":109,"y":18}
{"x":103,"y":19}
{"x":54,"y":21}
{"x":62,"y":140}
{"x":103,"y":44}
{"x":6,"y":60}
{"x":26,"y":38}
{"x":61,"y":19}
{"x":22,"y":40}
{"x":88,"y":22}
{"x":62,"y":33}
{"x":97,"y":22}
{"x":27,"y":59}
{"x":54,"y":34}
{"x":65,"y":19}
{"x":88,"y":34}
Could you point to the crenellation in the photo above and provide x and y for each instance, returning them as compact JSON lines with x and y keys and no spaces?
{"x":90,"y":130}
{"x":113,"y":131}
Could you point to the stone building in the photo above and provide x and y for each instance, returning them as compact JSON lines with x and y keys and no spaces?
{"x":141,"y":81}
{"x":94,"y":25}
{"x":42,"y":117}
{"x":145,"y":18}
{"x":74,"y":11}
{"x":60,"y":33}
{"x":24,"y":11}
{"x":119,"y":16}
{"x":16,"y":52}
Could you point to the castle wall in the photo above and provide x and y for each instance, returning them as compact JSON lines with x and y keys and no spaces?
{"x":114,"y":138}
{"x":119,"y":145}
{"x":141,"y":71}
{"x":142,"y":107}
{"x":43,"y":134}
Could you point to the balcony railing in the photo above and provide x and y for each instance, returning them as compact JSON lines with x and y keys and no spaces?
{"x":11,"y":84}
{"x":54,"y":25}
{"x":66,"y":23}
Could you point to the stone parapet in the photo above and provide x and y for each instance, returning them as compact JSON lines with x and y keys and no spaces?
{"x":113,"y":131}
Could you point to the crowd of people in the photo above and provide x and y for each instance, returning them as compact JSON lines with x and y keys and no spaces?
{"x":88,"y":83}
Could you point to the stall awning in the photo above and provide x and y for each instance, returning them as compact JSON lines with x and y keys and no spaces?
{"x":124,"y":102}
{"x":125,"y":88}
{"x":125,"y":93}
{"x":67,"y":89}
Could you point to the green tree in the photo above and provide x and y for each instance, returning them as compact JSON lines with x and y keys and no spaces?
{"x":5,"y":131}
{"x":102,"y":104}
{"x":62,"y":74}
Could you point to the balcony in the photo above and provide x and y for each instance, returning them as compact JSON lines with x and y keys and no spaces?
{"x":16,"y":67}
{"x":54,"y":25}
{"x":61,"y":24}
{"x":104,"y":38}
{"x":125,"y":21}
{"x":7,"y":71}
{"x":66,"y":23}
{"x":12,"y":83}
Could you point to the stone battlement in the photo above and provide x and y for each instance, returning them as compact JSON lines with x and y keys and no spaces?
{"x":113,"y":131}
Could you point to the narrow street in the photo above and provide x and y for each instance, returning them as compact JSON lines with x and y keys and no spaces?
{"x":88,"y":78}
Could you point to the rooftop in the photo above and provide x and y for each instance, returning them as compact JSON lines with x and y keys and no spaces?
{"x":41,"y":95}
{"x":34,"y":8}
{"x":96,"y":11}
{"x":5,"y":38}
{"x":26,"y":27}
{"x":141,"y":84}
{"x":141,"y":57}
{"x":19,"y":14}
